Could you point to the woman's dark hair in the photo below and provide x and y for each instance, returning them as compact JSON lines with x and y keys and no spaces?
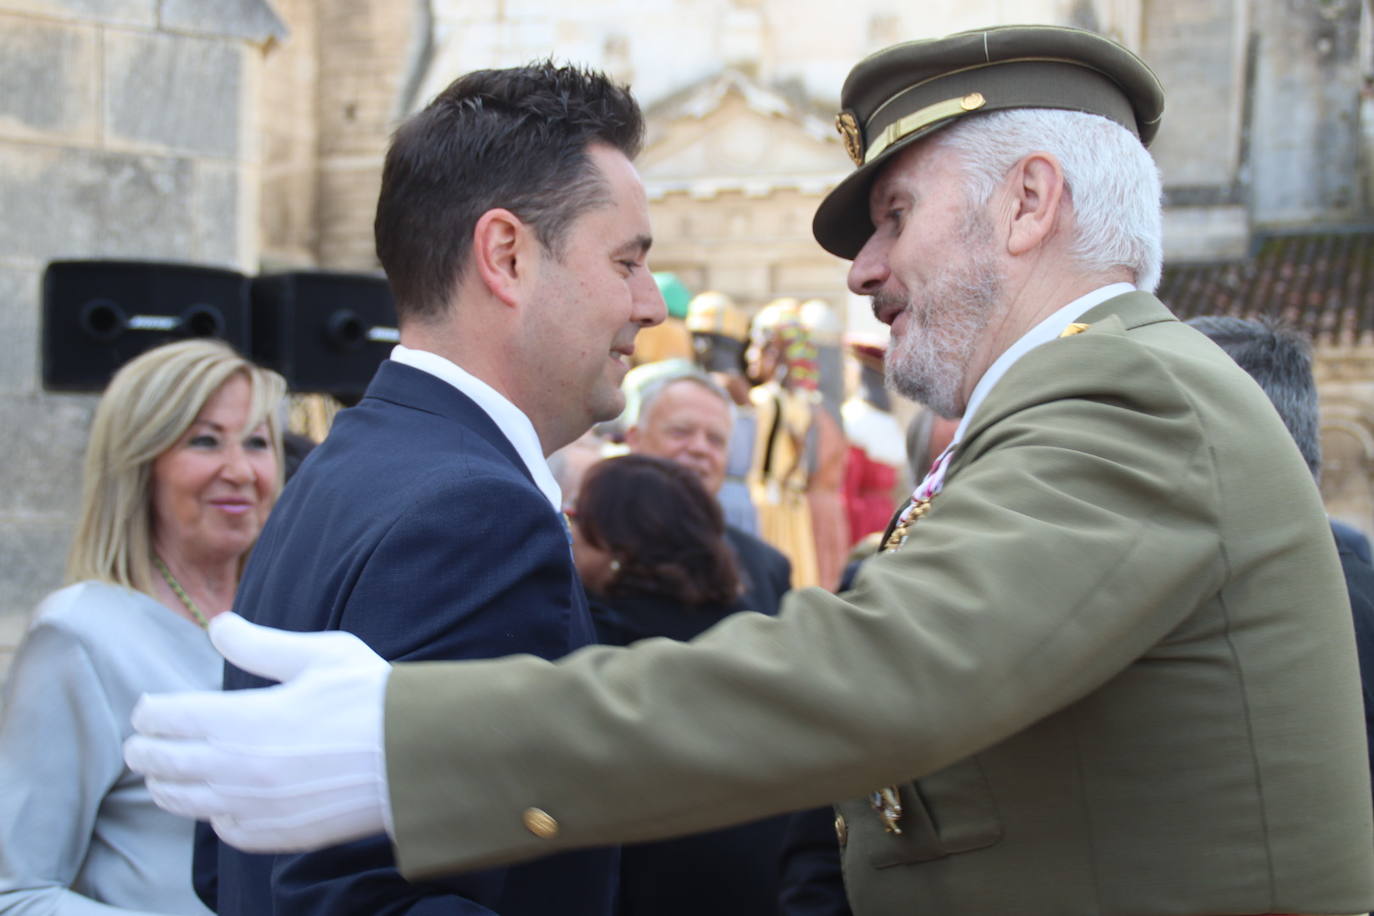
{"x":666,"y":531}
{"x":515,"y":138}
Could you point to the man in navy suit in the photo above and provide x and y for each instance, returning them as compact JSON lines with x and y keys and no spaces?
{"x":514,"y":232}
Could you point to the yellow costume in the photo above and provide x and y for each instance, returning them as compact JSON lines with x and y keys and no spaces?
{"x":784,"y":405}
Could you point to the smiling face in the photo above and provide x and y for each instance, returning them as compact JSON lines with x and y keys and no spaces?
{"x":590,"y":303}
{"x":931,"y":268}
{"x":213,"y":488}
{"x":687,"y":424}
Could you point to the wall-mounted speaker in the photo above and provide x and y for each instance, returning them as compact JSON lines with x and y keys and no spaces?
{"x":326,"y":332}
{"x":98,"y":315}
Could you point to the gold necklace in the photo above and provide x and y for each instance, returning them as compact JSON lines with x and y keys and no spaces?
{"x":180,"y":592}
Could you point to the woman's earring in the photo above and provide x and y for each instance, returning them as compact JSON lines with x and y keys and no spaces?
{"x":615,"y":565}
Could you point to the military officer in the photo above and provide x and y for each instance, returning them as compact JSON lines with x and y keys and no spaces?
{"x":1104,"y":665}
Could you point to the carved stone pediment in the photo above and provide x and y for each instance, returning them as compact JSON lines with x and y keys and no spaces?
{"x":729,"y":133}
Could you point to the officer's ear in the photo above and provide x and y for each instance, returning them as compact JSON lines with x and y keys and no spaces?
{"x":1036,"y":195}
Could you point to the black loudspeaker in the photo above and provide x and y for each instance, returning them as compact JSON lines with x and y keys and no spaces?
{"x":98,"y":315}
{"x":326,"y":332}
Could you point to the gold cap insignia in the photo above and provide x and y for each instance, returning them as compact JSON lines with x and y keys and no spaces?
{"x":848,"y":126}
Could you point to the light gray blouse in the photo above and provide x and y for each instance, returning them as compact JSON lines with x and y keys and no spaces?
{"x":79,"y":834}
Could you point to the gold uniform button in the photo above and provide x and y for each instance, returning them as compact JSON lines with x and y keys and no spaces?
{"x":540,"y":823}
{"x":841,"y":831}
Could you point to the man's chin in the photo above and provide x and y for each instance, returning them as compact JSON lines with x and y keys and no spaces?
{"x":608,"y":405}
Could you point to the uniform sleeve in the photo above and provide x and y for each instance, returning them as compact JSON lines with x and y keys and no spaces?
{"x":1068,"y":543}
{"x":59,"y":755}
{"x":480,"y":570}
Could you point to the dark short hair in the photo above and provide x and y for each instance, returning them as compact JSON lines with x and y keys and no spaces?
{"x":515,"y":138}
{"x":662,"y":526}
{"x":1279,"y":358}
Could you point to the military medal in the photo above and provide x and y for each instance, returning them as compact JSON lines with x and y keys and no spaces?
{"x":885,"y":801}
{"x":888,"y":804}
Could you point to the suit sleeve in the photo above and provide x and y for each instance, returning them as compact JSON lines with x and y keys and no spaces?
{"x":1068,"y":542}
{"x":473,"y":571}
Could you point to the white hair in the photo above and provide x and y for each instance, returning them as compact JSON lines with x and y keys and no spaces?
{"x":653,"y":389}
{"x":1112,"y":182}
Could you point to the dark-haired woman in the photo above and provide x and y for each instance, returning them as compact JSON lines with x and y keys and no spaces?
{"x":649,"y":542}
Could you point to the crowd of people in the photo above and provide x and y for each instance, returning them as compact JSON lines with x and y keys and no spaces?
{"x":1100,"y":660}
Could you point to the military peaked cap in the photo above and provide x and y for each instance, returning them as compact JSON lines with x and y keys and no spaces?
{"x":893,"y":98}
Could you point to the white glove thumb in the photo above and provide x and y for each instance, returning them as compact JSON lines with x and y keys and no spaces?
{"x":281,"y":655}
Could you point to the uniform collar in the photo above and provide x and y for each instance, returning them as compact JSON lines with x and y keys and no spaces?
{"x":1045,"y":331}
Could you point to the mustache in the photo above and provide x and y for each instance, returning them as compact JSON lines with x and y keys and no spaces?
{"x":886,"y":301}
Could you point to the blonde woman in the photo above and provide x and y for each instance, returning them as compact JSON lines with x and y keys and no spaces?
{"x":183,"y":465}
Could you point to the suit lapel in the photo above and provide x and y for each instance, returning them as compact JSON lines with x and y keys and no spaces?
{"x":409,"y":387}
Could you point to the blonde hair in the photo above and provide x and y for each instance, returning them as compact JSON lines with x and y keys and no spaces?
{"x":146,"y":408}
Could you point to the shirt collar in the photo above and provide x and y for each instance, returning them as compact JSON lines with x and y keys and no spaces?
{"x":512,"y":422}
{"x":1045,"y":331}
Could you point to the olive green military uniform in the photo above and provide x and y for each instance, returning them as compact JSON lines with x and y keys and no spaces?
{"x":1115,"y":657}
{"x":1110,"y":671}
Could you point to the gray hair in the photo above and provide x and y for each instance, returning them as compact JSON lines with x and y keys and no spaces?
{"x":1112,"y":182}
{"x":651,"y":391}
{"x":1279,"y":358}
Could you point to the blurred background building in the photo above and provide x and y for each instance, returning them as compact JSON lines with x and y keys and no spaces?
{"x":250,"y":133}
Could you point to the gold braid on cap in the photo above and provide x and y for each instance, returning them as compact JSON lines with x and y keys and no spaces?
{"x":913,"y":122}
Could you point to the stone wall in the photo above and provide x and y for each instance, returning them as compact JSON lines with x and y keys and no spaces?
{"x":367,"y":52}
{"x":1307,"y":134}
{"x":290,"y":142}
{"x":127,"y":130}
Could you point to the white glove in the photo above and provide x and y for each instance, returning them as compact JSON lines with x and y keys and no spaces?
{"x":281,"y":769}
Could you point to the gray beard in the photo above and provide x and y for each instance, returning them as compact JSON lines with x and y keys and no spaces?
{"x":929,"y":362}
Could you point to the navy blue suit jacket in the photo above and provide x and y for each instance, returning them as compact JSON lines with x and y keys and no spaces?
{"x":416,"y":526}
{"x":766,"y":572}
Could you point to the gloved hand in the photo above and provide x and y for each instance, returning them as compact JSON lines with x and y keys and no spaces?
{"x":288,"y":768}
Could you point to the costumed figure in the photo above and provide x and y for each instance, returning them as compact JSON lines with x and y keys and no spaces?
{"x":826,"y":446}
{"x":783,"y":360}
{"x":876,"y":453}
{"x":720,"y":332}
